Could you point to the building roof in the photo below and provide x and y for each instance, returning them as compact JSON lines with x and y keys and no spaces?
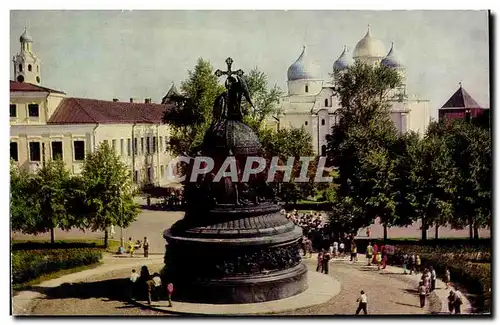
{"x":172,"y":93}
{"x":23,"y":86}
{"x":25,"y":37}
{"x":343,"y":61}
{"x":369,"y":47}
{"x":89,"y":111}
{"x":304,"y":68}
{"x":392,"y":60}
{"x":461,"y":99}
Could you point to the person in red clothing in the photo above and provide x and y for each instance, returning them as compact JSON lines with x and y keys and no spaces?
{"x":375,"y":252}
{"x":170,"y":290}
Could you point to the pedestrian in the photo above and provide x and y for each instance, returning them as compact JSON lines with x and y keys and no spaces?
{"x":447,"y":277}
{"x":335,"y":248}
{"x":146,"y":247}
{"x":353,"y":250}
{"x":451,"y":301}
{"x":363,"y":301}
{"x":326,"y":260}
{"x":427,"y":280}
{"x":319,"y":267}
{"x":309,"y":247}
{"x":133,"y":284}
{"x":303,"y":245}
{"x":341,"y":248}
{"x":458,"y":302}
{"x":412,"y":263}
{"x":405,"y":263}
{"x":154,"y":285}
{"x":131,"y":247}
{"x":433,"y":278}
{"x":418,"y":263}
{"x":375,"y":253}
{"x":379,"y":260}
{"x":384,"y":256}
{"x":369,"y":253}
{"x":170,"y":291}
{"x":422,"y":292}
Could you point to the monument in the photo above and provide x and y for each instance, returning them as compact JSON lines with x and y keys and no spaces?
{"x":233,"y":244}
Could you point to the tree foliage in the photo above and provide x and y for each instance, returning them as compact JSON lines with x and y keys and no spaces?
{"x":109,"y":192}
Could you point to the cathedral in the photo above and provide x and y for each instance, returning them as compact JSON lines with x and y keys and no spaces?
{"x":311,"y":102}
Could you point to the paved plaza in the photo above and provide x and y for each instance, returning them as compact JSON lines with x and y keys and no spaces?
{"x":100,"y":292}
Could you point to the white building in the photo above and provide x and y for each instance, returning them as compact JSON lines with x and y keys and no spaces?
{"x":311,"y":103}
{"x":46,"y":124}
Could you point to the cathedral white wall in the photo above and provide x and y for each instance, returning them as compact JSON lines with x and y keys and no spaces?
{"x":299,"y":87}
{"x":419,"y":116}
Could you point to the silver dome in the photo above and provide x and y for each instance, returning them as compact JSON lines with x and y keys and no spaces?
{"x":392,"y":60}
{"x":343,"y":61}
{"x":369,"y":47}
{"x":25,"y":37}
{"x":303,"y":68}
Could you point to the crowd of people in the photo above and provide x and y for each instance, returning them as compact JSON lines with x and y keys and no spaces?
{"x":131,"y":247}
{"x":146,"y":285}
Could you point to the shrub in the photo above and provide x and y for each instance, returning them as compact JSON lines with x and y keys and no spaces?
{"x":30,"y":264}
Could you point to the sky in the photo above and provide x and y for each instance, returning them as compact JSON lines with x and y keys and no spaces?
{"x":124,"y":54}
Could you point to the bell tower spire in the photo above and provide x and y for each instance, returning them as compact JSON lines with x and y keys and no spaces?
{"x":26,"y":63}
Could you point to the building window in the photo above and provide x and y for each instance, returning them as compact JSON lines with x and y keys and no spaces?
{"x":122,"y":149}
{"x":57,"y":150}
{"x":305,"y":123}
{"x":135,"y":146}
{"x":13,"y":110}
{"x":326,"y":102}
{"x":13,"y":151}
{"x":79,"y":146}
{"x":20,"y":67}
{"x":33,"y":110}
{"x":148,"y":147}
{"x":154,"y":144}
{"x":20,"y":78}
{"x":37,"y":69}
{"x":142,"y":145}
{"x":129,"y":147}
{"x":322,"y":121}
{"x":35,"y":151}
{"x":166,"y":143}
{"x":162,"y":171}
{"x":323,"y":150}
{"x":160,"y":143}
{"x":136,"y":176}
{"x":307,"y":88}
{"x":149,"y":175}
{"x":29,"y":67}
{"x":113,"y":144}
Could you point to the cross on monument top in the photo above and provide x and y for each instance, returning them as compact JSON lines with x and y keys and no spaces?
{"x":229,"y":72}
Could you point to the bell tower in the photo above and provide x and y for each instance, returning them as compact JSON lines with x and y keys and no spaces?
{"x":26,"y":63}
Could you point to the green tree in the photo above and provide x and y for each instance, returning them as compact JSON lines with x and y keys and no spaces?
{"x":24,"y":205}
{"x":361,"y":145}
{"x":470,"y":149}
{"x":266,"y":100}
{"x":109,"y":191}
{"x":190,"y":120}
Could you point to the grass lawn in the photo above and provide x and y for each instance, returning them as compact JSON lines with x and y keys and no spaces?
{"x":54,"y":275}
{"x":16,"y":244}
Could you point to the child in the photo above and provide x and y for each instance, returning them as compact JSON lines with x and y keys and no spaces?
{"x":422,"y":292}
{"x":132,"y":284}
{"x":362,"y":303}
{"x":379,"y":260}
{"x":170,"y":290}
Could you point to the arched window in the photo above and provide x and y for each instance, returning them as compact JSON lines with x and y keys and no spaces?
{"x":323,"y":150}
{"x":20,"y":67}
{"x":307,"y":88}
{"x":29,"y":67}
{"x":326,"y":102}
{"x":37,"y":69}
{"x":305,"y":123}
{"x":323,"y":122}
